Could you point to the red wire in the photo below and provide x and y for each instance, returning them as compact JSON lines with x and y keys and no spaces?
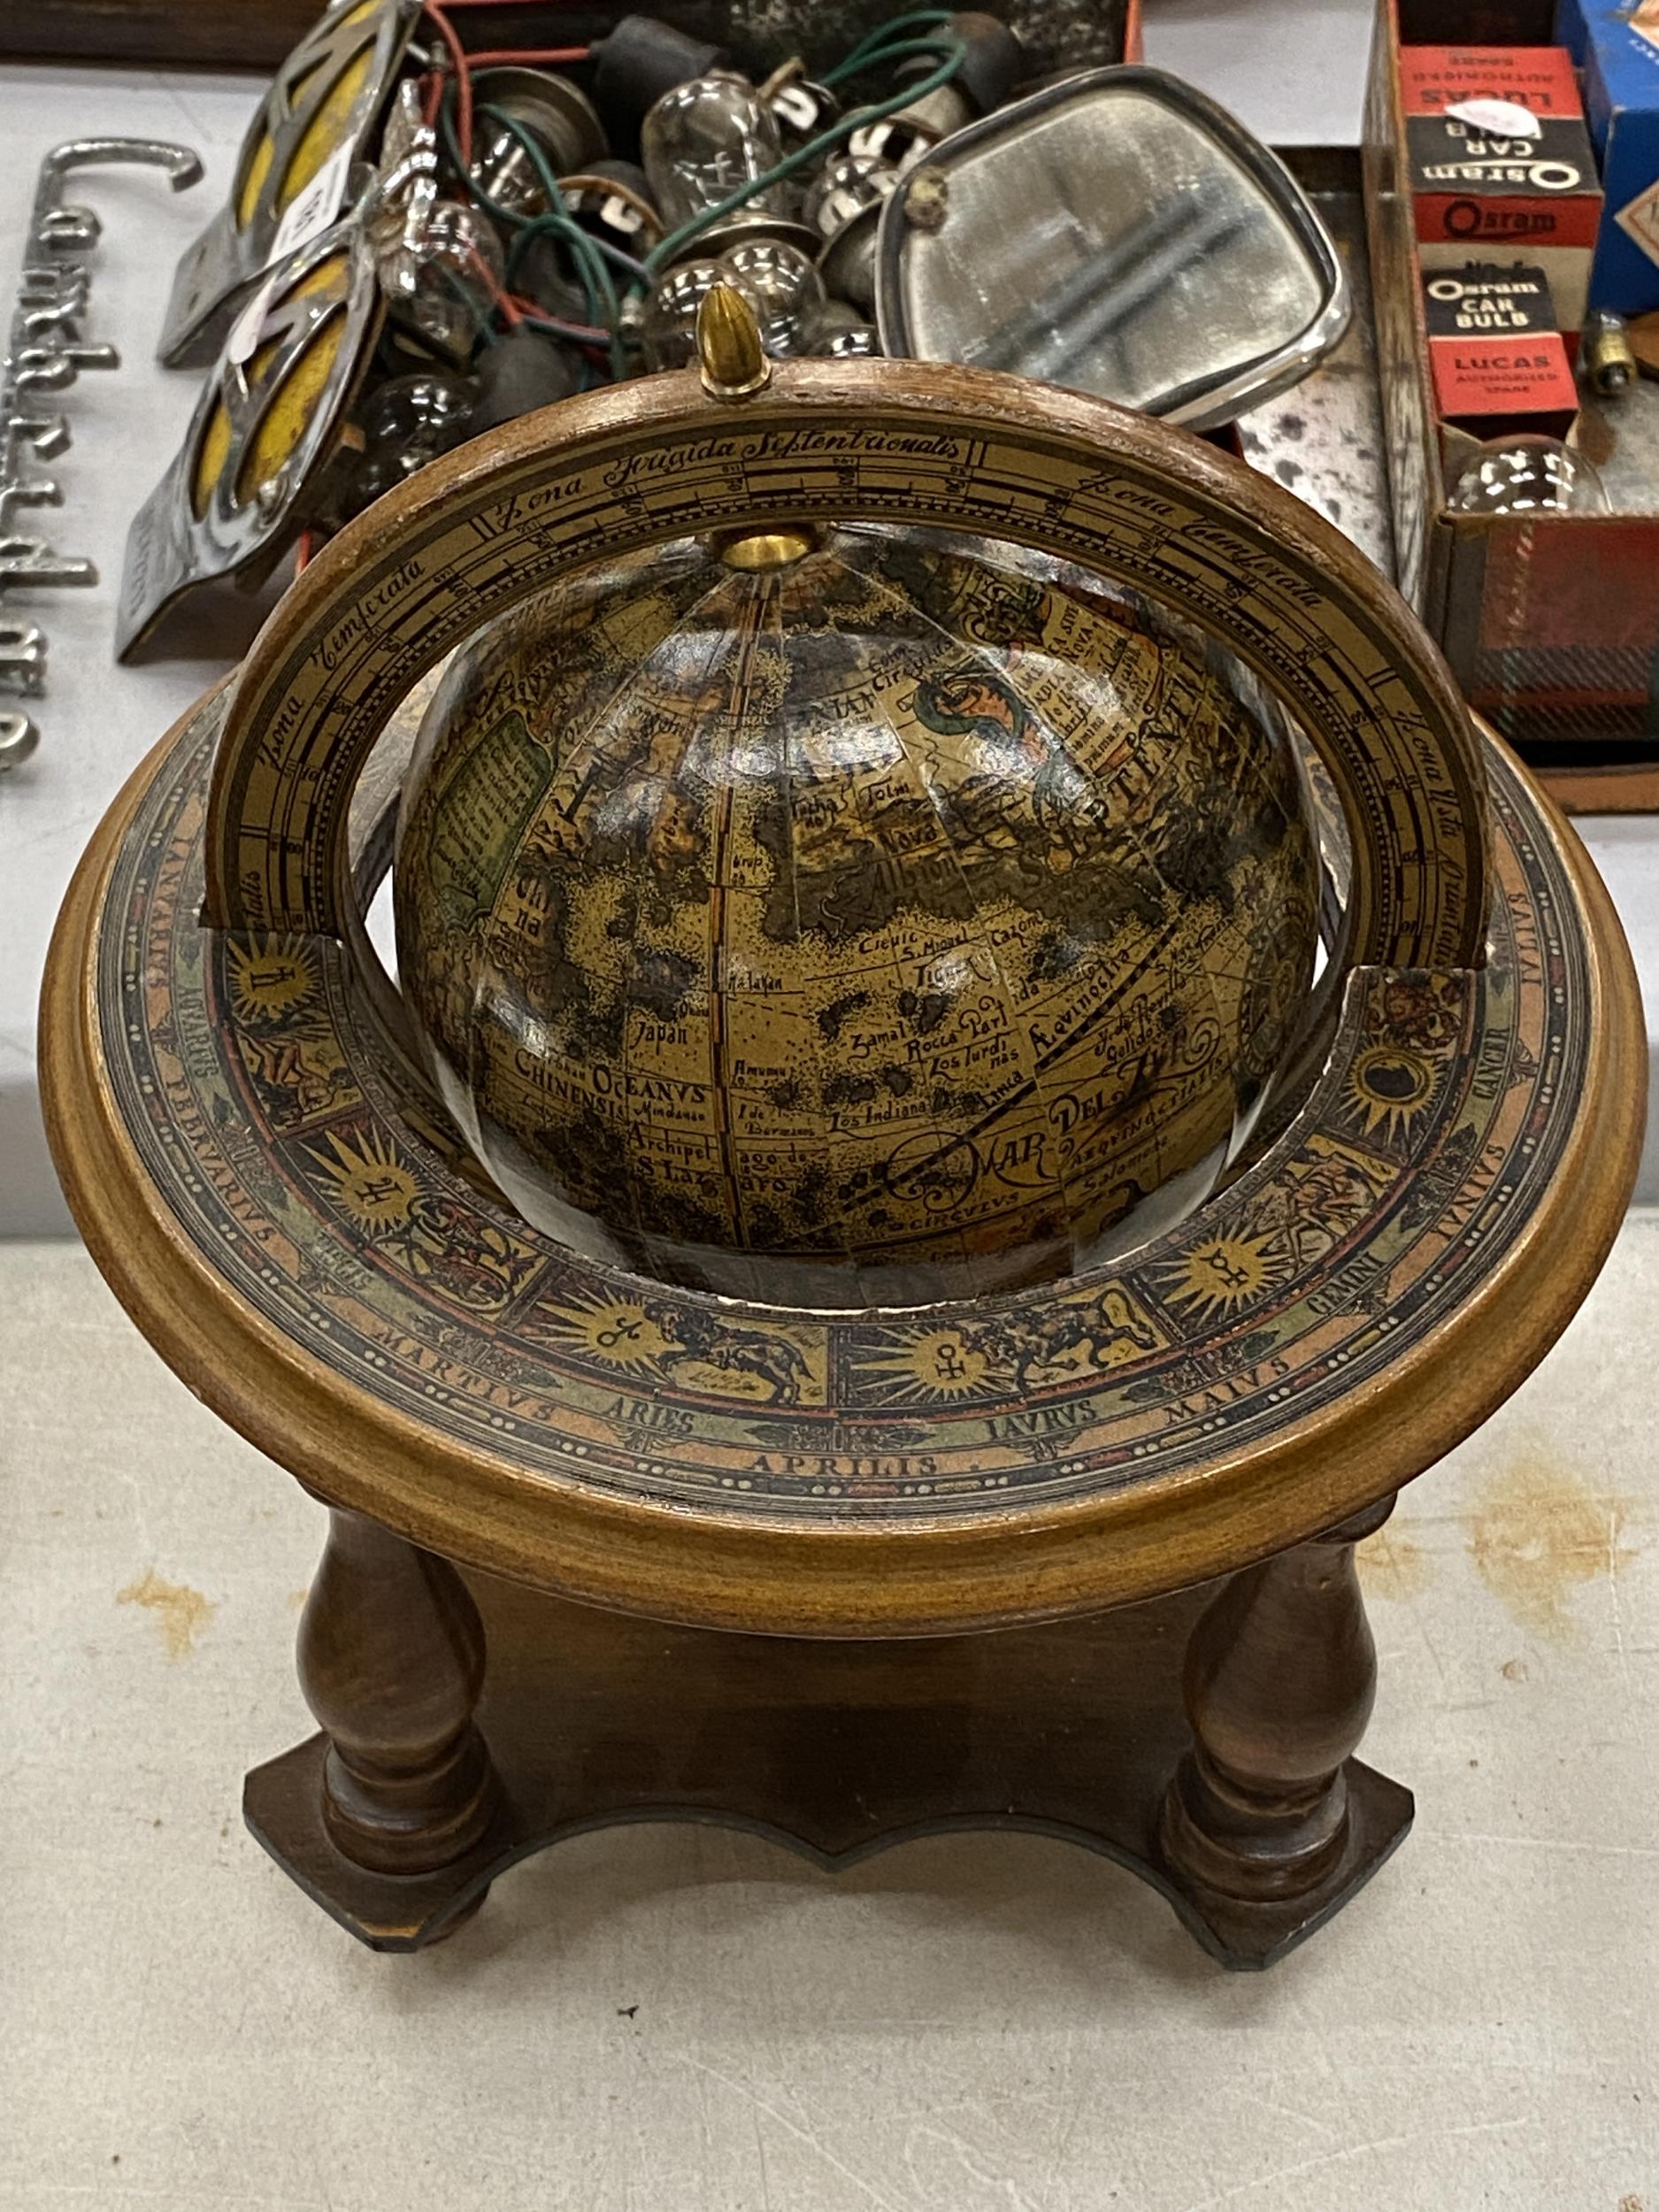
{"x":512,"y":313}
{"x":304,"y":549}
{"x":591,"y":337}
{"x":463,"y":64}
{"x":527,"y":53}
{"x":511,"y":310}
{"x":463,"y":81}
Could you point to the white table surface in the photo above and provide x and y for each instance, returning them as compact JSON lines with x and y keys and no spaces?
{"x":96,"y":720}
{"x":1293,"y":69}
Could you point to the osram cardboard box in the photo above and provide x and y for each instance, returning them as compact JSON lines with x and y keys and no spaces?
{"x":1498,"y":361}
{"x":1550,"y":621}
{"x":1500,"y":162}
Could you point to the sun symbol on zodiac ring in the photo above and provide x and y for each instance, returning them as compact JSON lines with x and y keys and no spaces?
{"x":370,"y":1181}
{"x":613,"y":1331}
{"x":1387,"y":1087}
{"x":1222,"y":1274}
{"x":269,"y":977}
{"x":938,"y":1363}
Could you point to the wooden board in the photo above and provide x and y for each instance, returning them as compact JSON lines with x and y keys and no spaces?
{"x":260,"y":34}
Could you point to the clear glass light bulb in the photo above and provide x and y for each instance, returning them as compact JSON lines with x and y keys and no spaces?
{"x":779,"y":282}
{"x":407,"y":421}
{"x":668,"y":328}
{"x":705,"y":140}
{"x":458,"y":267}
{"x":800,"y":108}
{"x":844,"y":206}
{"x":844,"y":187}
{"x":783,"y":286}
{"x":1527,"y":473}
{"x":504,"y":167}
{"x":842,"y":332}
{"x":904,"y":139}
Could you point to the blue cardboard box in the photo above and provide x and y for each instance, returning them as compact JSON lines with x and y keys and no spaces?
{"x":1569,"y":29}
{"x":1619,"y":55}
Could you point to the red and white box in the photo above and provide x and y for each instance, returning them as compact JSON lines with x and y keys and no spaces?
{"x":1500,"y":163}
{"x":1498,"y":361}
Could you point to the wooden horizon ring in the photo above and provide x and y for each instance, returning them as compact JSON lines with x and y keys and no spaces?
{"x":630,"y":466}
{"x":1528,"y":1230}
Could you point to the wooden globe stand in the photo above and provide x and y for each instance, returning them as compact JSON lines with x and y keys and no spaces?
{"x":603,"y":1550}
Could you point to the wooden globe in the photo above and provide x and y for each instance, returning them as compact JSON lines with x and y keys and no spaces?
{"x":850,"y":918}
{"x":696,"y":853}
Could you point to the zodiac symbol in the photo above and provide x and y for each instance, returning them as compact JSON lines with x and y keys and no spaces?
{"x":1227,"y":1270}
{"x":624,"y":1333}
{"x":379,"y":1190}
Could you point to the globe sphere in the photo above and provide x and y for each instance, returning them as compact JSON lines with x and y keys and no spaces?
{"x":852,"y":919}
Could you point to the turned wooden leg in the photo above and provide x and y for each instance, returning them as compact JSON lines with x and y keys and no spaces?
{"x":1279,"y":1678}
{"x":391,"y":1660}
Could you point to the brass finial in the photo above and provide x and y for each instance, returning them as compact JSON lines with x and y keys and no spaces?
{"x":733,"y":366}
{"x":728,"y":345}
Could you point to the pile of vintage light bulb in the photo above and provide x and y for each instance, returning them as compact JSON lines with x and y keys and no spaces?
{"x":522,"y":259}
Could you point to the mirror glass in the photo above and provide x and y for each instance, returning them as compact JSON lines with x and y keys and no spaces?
{"x":1118,"y":235}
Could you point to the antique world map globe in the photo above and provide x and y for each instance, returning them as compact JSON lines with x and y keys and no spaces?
{"x":866,"y":917}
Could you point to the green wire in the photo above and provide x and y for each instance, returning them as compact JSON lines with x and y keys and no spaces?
{"x":954,"y":53}
{"x":556,"y":218}
{"x":590,"y":268}
{"x":550,"y":226}
{"x":584,"y":250}
{"x":872,"y":45}
{"x":460,"y":292}
{"x":591,"y":272}
{"x":498,"y":209}
{"x":899,"y":49}
{"x":543,"y":226}
{"x":589,"y":255}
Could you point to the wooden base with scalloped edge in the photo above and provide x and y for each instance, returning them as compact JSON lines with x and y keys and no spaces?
{"x":837,"y":1750}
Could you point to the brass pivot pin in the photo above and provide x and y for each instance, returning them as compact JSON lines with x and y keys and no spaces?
{"x":735,"y":366}
{"x":728,"y":345}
